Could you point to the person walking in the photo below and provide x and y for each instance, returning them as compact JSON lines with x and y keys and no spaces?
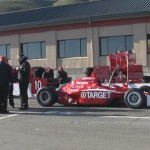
{"x":5,"y":81}
{"x":24,"y":78}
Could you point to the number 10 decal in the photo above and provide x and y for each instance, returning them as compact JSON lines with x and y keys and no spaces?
{"x":38,"y":84}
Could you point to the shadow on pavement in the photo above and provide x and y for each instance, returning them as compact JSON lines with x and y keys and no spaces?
{"x":84,"y":111}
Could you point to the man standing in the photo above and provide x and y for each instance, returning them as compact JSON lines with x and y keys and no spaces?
{"x":5,"y":80}
{"x":10,"y":92}
{"x":24,"y":78}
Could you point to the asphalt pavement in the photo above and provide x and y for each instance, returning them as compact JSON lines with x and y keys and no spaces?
{"x":74,"y":128}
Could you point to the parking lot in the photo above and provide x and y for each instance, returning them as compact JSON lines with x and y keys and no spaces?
{"x":75,"y":128}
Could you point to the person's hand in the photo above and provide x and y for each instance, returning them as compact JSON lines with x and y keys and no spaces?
{"x":17,"y":68}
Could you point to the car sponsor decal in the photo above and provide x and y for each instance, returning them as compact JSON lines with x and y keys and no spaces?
{"x":79,"y":82}
{"x":72,"y":90}
{"x":88,"y":79}
{"x":77,"y":86}
{"x":96,"y":94}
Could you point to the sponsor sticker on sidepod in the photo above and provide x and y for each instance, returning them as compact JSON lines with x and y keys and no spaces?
{"x":96,"y":94}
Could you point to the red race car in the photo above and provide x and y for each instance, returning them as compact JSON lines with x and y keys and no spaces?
{"x":89,"y":91}
{"x":106,"y":84}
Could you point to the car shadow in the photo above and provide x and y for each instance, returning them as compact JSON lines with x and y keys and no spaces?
{"x":84,"y":111}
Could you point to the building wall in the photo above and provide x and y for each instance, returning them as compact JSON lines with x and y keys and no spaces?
{"x":34,"y":37}
{"x":139,"y":31}
{"x":74,"y":62}
{"x":140,"y":43}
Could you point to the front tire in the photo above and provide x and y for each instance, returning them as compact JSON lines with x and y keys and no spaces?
{"x":134,"y":98}
{"x":46,"y":96}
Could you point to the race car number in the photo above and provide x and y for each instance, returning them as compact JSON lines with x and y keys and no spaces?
{"x":99,"y":95}
{"x":37,"y":84}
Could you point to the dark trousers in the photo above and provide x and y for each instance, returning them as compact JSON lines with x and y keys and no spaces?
{"x":3,"y":96}
{"x":11,"y":97}
{"x":24,"y":93}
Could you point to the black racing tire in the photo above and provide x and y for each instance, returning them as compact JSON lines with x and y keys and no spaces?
{"x":46,"y":96}
{"x":134,"y":98}
{"x":145,"y":88}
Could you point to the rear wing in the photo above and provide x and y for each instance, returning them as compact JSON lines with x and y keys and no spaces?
{"x":135,"y":73}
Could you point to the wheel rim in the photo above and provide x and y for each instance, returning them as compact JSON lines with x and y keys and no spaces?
{"x":134,"y":98}
{"x":44,"y":96}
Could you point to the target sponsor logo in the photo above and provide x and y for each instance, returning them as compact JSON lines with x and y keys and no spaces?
{"x":100,"y":95}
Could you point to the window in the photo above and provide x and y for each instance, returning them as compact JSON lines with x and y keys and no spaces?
{"x":114,"y":43}
{"x":5,"y":50}
{"x":34,"y":50}
{"x":148,"y":43}
{"x":72,"y":48}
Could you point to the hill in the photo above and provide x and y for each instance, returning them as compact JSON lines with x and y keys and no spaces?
{"x":16,"y":5}
{"x":65,"y":2}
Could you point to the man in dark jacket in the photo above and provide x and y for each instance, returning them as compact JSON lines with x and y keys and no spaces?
{"x":5,"y":81}
{"x":10,"y":92}
{"x":62,"y":75}
{"x":48,"y":73}
{"x":24,"y":78}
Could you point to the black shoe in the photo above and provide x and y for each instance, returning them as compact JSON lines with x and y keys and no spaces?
{"x":23,"y":108}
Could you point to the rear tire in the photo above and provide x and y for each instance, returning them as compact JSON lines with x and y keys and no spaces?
{"x":145,"y":88}
{"x":134,"y":98}
{"x":46,"y":96}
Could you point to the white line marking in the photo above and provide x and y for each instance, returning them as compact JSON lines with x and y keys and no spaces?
{"x":126,"y":117}
{"x":35,"y":112}
{"x":8,"y":116}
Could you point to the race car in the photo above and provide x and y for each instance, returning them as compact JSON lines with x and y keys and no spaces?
{"x":120,"y":81}
{"x":89,"y":91}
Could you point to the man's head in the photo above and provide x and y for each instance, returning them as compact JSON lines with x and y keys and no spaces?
{"x":48,"y":69}
{"x":21,"y":57}
{"x":4,"y":59}
{"x":60,"y":69}
{"x":120,"y":72}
